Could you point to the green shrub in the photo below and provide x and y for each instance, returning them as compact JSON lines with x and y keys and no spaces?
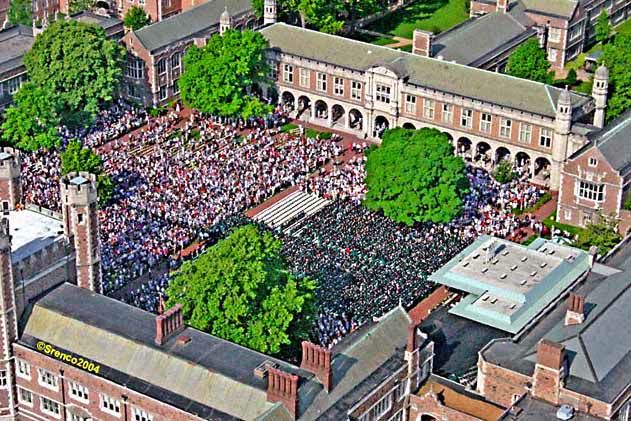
{"x":504,"y":172}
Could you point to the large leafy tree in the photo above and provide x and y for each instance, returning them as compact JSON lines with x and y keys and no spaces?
{"x":617,"y":57}
{"x":322,"y":15}
{"x":136,"y":18}
{"x":20,"y":12}
{"x":218,"y":77}
{"x":602,"y":234}
{"x":415,"y":177}
{"x":240,"y":290}
{"x":529,"y":61}
{"x":77,"y":158}
{"x":78,"y":65}
{"x":31,"y":123}
{"x":602,"y":27}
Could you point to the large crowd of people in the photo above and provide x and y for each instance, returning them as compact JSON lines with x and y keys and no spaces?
{"x":179,"y":179}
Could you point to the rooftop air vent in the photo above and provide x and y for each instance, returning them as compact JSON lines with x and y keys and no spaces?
{"x":505,"y":253}
{"x":484,"y":270}
{"x":533,"y":273}
{"x":494,"y":300}
{"x":523,"y":259}
{"x":503,"y":276}
{"x":465,"y":263}
{"x":513,"y":267}
{"x":523,"y":282}
{"x":543,"y":264}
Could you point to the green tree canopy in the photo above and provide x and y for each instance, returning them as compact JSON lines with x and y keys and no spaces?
{"x":504,"y":172}
{"x":136,"y":18}
{"x":602,"y":27}
{"x":240,"y":290}
{"x":78,"y":65}
{"x":32,"y":121}
{"x":217,"y":77}
{"x":77,"y":6}
{"x":529,"y":61}
{"x":20,"y":12}
{"x":77,"y":158}
{"x":617,"y":57}
{"x":603,"y":234}
{"x":415,"y":177}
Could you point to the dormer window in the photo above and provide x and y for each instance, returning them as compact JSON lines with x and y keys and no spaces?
{"x":593,"y":162}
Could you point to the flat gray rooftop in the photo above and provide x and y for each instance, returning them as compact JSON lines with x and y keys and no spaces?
{"x":14,"y":42}
{"x":509,"y":284}
{"x":32,"y":231}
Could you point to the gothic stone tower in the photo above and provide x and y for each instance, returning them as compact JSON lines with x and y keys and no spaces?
{"x":10,"y":179}
{"x":81,"y":226}
{"x":8,"y":325}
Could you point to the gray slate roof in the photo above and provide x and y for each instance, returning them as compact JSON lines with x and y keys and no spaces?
{"x":496,"y":88}
{"x":488,"y":35}
{"x":536,"y":410}
{"x":14,"y":43}
{"x":614,"y":141}
{"x":599,"y":350}
{"x":563,"y":8}
{"x":208,"y":375}
{"x":190,"y":23}
{"x":360,"y":363}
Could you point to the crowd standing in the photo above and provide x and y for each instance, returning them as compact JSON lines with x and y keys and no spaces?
{"x":178,"y":182}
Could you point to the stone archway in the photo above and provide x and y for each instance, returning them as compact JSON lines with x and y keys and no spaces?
{"x":482,"y":153}
{"x":502,"y":154}
{"x":288,"y":101}
{"x":542,"y":170}
{"x":102,"y":4}
{"x":321,"y":110}
{"x":338,"y":115}
{"x":251,"y":24}
{"x":427,"y":417}
{"x":272,"y":95}
{"x":381,"y":125}
{"x":355,"y":119}
{"x":523,"y":163}
{"x":465,"y":148}
{"x":304,"y":106}
{"x":409,"y":126}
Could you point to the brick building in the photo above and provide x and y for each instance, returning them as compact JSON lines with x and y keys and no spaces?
{"x":373,"y":88}
{"x":565,"y":28}
{"x":155,"y":51}
{"x":578,"y":354}
{"x":17,"y":40}
{"x":595,"y":180}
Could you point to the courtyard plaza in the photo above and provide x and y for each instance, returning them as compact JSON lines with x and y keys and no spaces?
{"x":185,"y":178}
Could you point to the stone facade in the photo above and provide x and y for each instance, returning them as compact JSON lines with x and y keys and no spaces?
{"x":347,"y":100}
{"x":567,"y":34}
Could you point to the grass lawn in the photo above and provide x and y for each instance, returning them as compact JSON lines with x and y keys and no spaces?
{"x":551,"y":221}
{"x":429,"y":15}
{"x":406,"y":48}
{"x":624,"y":28}
{"x":359,"y":36}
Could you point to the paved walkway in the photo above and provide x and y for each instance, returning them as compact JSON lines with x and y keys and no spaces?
{"x":401,"y":42}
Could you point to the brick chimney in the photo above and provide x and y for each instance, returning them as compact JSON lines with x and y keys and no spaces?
{"x":575,"y":314}
{"x":422,"y":43}
{"x":169,"y":323}
{"x":502,"y":6}
{"x":283,"y":387}
{"x":317,"y":360}
{"x":412,"y":343}
{"x":549,"y":371}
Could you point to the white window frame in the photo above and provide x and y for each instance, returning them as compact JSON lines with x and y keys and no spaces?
{"x":79,"y":392}
{"x":486,"y":121}
{"x":44,"y":402}
{"x":553,"y":54}
{"x":592,"y":162}
{"x":448,"y":113}
{"x":338,"y":86}
{"x":567,"y":213}
{"x":163,"y":92}
{"x":22,"y":392}
{"x":525,"y":132}
{"x":305,"y":77}
{"x":176,"y":61}
{"x":42,"y":374}
{"x":161,"y":67}
{"x":380,"y":408}
{"x":429,"y":108}
{"x":506,"y":128}
{"x":23,"y":369}
{"x":410,"y":104}
{"x":4,"y":379}
{"x":139,"y":414}
{"x":135,"y":68}
{"x":288,"y":73}
{"x":545,"y":138}
{"x":591,"y":191}
{"x":356,"y":90}
{"x":466,"y":118}
{"x":321,"y":80}
{"x":106,"y":401}
{"x":554,"y":34}
{"x":382,"y":93}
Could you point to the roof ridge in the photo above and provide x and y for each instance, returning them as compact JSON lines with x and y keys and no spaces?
{"x":586,"y":325}
{"x":587,"y":358}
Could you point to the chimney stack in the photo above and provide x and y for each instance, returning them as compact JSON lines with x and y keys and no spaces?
{"x":549,"y":371}
{"x":283,"y":387}
{"x":575,"y":314}
{"x":422,"y":43}
{"x":412,"y":343}
{"x":168,"y":324}
{"x":502,"y":6}
{"x":317,"y":360}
